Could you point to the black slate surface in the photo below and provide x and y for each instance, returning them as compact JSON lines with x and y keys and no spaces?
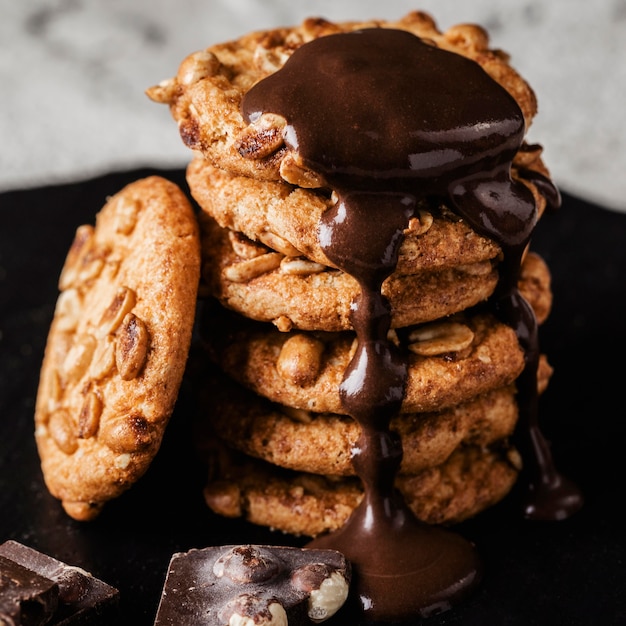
{"x":571,"y":572}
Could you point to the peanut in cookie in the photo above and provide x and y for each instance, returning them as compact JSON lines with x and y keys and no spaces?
{"x":117,"y":345}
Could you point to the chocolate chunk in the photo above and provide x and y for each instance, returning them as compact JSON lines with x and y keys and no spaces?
{"x":79,"y":597}
{"x":25,"y":597}
{"x":266,"y":585}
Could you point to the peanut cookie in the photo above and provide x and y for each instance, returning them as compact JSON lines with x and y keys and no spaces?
{"x":470,"y":481}
{"x":293,"y":292}
{"x":449,"y":361}
{"x":286,"y":219}
{"x":205,"y":95}
{"x":117,"y":345}
{"x":321,"y":443}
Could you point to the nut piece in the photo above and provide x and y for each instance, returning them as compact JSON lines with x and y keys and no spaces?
{"x":61,"y":429}
{"x":297,"y":415}
{"x":83,"y":242}
{"x":251,"y":610}
{"x":126,"y":211}
{"x":276,"y":242}
{"x":300,"y":359}
{"x":79,"y":357}
{"x":439,"y":338}
{"x":247,"y":564}
{"x":132,"y":347}
{"x":468,"y":36}
{"x":89,"y":416}
{"x":249,"y":269}
{"x":128,"y":433}
{"x":103,"y":358}
{"x":292,"y":172}
{"x":52,"y":385}
{"x":243,"y":247}
{"x":283,"y":323}
{"x":329,"y":598}
{"x":262,"y":138}
{"x":67,"y":310}
{"x":122,"y":303}
{"x":197,"y":66}
{"x":419,"y":225}
{"x":164,"y":92}
{"x":327,"y":589}
{"x":300,"y":266}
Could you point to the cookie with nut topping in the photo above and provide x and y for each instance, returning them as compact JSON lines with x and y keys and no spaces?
{"x":322,"y":443}
{"x":472,"y":479}
{"x":286,"y":219}
{"x":118,"y":344}
{"x":205,"y":95}
{"x":293,"y":292}
{"x":449,"y":361}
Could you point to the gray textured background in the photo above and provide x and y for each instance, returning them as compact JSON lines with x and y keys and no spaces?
{"x":73,"y":75}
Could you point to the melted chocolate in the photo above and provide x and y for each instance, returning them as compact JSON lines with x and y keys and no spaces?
{"x":405,"y":122}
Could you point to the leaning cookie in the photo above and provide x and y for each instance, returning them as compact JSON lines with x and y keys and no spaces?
{"x":470,"y":481}
{"x":117,"y":345}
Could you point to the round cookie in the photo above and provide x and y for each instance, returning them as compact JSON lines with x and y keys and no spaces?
{"x":117,"y":345}
{"x":449,"y":361}
{"x":293,"y":292}
{"x":205,"y":95}
{"x":286,"y":218}
{"x":470,"y":481}
{"x":322,"y":443}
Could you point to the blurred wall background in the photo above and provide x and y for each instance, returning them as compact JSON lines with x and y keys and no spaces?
{"x":73,"y":75}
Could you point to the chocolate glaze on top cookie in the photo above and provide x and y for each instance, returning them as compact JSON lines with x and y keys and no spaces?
{"x":406,"y":124}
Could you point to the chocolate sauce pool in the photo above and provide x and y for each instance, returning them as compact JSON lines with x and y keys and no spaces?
{"x":390,"y":122}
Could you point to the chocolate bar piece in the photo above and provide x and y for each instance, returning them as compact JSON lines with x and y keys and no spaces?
{"x":253,"y":584}
{"x":79,"y":597}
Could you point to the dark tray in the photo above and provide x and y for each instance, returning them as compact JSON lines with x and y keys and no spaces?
{"x":571,"y":572}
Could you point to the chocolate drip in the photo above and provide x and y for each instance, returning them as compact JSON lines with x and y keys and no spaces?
{"x":546,"y":187}
{"x":405,"y":123}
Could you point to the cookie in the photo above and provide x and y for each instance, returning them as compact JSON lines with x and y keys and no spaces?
{"x":449,"y":361}
{"x":293,"y":292}
{"x":205,"y":95}
{"x":287,"y":218}
{"x":322,"y":443}
{"x":117,"y":345}
{"x":470,"y":481}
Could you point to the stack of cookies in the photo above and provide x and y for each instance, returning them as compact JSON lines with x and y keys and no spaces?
{"x":277,"y":324}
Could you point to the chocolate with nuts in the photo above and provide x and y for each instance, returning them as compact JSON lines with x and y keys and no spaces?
{"x":263,"y":585}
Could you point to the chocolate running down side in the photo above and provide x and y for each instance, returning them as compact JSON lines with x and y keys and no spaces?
{"x":407,"y":125}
